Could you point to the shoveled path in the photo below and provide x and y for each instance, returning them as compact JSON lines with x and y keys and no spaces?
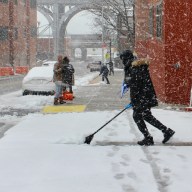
{"x":101,"y":96}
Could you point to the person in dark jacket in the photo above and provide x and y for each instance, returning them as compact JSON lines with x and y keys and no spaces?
{"x":68,"y":74}
{"x":104,"y":71}
{"x":111,"y":69}
{"x":143,"y":97}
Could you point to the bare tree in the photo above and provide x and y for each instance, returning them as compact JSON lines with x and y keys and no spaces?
{"x":118,"y":18}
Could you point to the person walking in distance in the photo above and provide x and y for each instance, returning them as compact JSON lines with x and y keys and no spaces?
{"x":57,"y":79}
{"x":111,"y":69}
{"x":104,"y":72}
{"x":143,"y":97}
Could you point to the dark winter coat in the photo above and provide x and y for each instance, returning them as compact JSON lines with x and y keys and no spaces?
{"x":68,"y":74}
{"x":104,"y":71}
{"x":111,"y":65}
{"x":142,"y":92}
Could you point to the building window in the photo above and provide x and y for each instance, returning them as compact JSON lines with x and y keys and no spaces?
{"x":33,"y":31}
{"x":33,"y":3}
{"x":15,"y":34}
{"x":3,"y":1}
{"x":24,"y":2}
{"x":151,"y":20}
{"x":24,"y":32}
{"x":3,"y":33}
{"x":159,"y":20}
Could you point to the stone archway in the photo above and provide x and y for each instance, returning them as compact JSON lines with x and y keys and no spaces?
{"x":59,"y":19}
{"x":83,"y":53}
{"x":65,"y":21}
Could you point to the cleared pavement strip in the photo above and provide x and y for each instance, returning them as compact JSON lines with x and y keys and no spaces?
{"x":62,"y":108}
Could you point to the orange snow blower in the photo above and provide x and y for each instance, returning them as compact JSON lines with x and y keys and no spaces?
{"x":68,"y":96}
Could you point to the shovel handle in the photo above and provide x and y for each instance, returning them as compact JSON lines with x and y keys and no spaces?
{"x":127,"y":107}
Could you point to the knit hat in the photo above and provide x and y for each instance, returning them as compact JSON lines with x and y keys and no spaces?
{"x":65,"y":60}
{"x":127,"y":54}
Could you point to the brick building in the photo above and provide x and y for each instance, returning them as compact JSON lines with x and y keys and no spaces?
{"x":45,"y":47}
{"x":125,"y":37}
{"x":18,"y":32}
{"x":164,"y":34}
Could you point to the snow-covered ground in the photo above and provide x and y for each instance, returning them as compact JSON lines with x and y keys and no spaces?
{"x":46,"y":152}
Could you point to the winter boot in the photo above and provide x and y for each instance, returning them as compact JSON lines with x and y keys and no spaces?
{"x":167,"y":135}
{"x":147,"y":141}
{"x":61,"y":101}
{"x":56,"y":101}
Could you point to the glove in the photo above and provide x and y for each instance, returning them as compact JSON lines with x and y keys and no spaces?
{"x":128,"y":106}
{"x":127,"y":81}
{"x":124,"y":89}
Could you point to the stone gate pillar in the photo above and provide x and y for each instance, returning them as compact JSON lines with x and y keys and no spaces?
{"x":84,"y":53}
{"x":72,"y":53}
{"x":56,"y":29}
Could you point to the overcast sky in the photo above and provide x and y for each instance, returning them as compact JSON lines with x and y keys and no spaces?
{"x":79,"y":24}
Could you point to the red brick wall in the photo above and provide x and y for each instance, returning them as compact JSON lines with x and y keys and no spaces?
{"x":178,"y":35}
{"x":45,"y":45}
{"x":172,"y":85}
{"x":4,"y":46}
{"x":33,"y":40}
{"x":19,"y":44}
{"x":145,"y":46}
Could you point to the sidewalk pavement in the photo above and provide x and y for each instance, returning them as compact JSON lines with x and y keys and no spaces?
{"x":98,"y":95}
{"x":101,"y":96}
{"x":47,"y":152}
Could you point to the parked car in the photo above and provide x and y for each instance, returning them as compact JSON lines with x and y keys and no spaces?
{"x":94,"y":66}
{"x":39,"y":81}
{"x":49,"y":63}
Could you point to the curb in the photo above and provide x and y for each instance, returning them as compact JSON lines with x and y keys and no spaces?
{"x":187,"y":109}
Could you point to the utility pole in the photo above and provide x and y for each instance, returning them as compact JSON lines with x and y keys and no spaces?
{"x":102,"y":36}
{"x":110,"y":48}
{"x":56,"y":29}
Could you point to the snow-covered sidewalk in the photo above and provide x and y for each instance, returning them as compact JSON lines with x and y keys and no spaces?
{"x":46,"y":153}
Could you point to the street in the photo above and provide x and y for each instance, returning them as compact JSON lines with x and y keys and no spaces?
{"x":10,"y":83}
{"x":106,"y":97}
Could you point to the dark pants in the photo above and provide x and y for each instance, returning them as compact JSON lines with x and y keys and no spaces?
{"x":111,"y":71}
{"x":70,"y":88}
{"x":141,"y":116}
{"x":105,"y":77}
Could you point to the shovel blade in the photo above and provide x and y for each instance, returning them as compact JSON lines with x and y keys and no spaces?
{"x":88,"y":139}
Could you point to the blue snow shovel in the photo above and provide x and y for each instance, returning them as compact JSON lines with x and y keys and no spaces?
{"x":89,"y":138}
